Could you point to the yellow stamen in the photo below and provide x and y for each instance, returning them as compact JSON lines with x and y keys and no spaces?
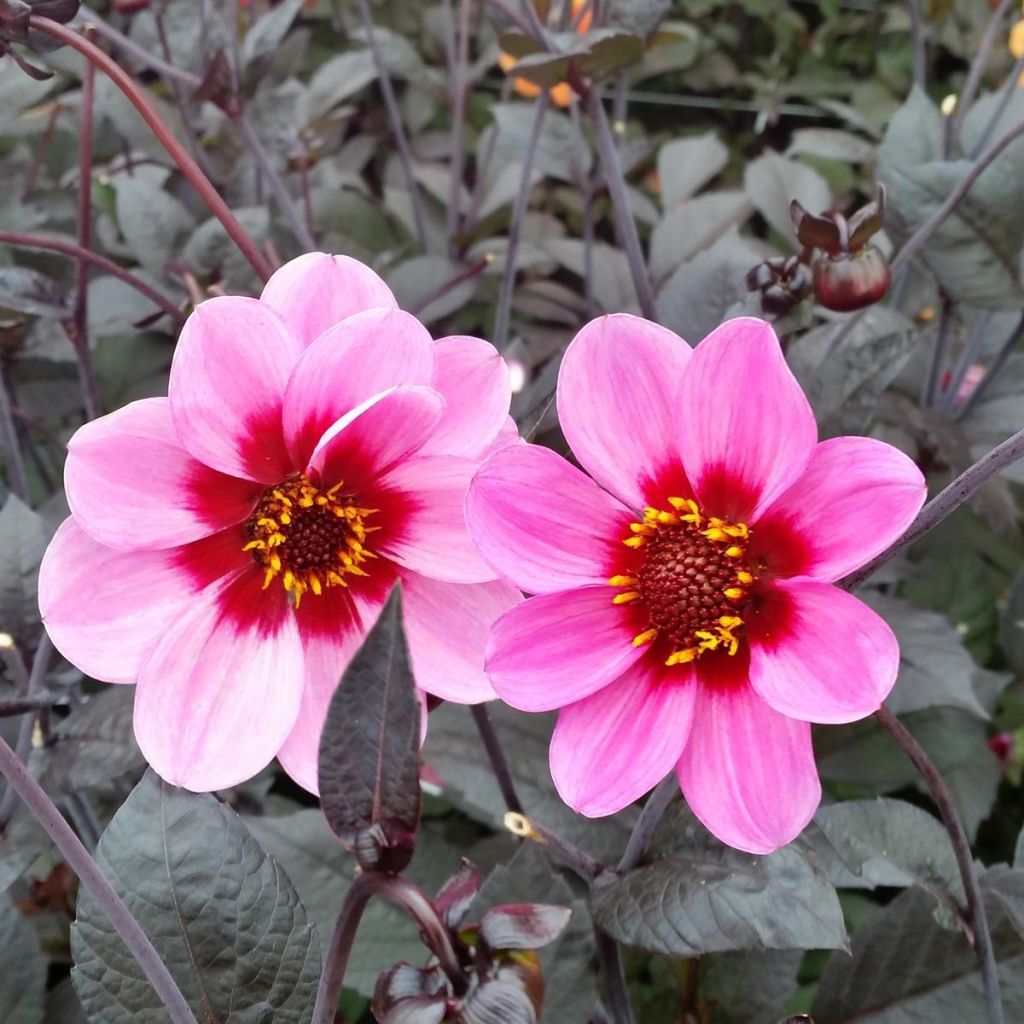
{"x":734,"y":552}
{"x":634,"y":542}
{"x":622,"y":581}
{"x":681,"y":657}
{"x":745,"y":577}
{"x":645,"y":637}
{"x":735,"y":593}
{"x":630,"y":595}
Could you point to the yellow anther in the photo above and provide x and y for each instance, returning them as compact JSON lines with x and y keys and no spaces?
{"x":286,"y":519}
{"x":735,"y":593}
{"x":716,"y":534}
{"x":629,"y":595}
{"x":275,"y":562}
{"x":253,"y":544}
{"x":730,"y":621}
{"x":289,"y":580}
{"x":745,"y":577}
{"x":635,"y":542}
{"x":681,"y":657}
{"x":734,"y":552}
{"x":668,"y":518}
{"x":645,"y":637}
{"x":314,"y":585}
{"x":622,"y":581}
{"x":268,"y":577}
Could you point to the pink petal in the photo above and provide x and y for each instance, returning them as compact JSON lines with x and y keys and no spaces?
{"x":616,"y":396}
{"x":221,"y":690}
{"x":131,"y":485}
{"x":447,"y":626}
{"x":367,"y":441}
{"x":557,"y":649}
{"x":315,"y":291}
{"x":353,"y":361}
{"x":104,"y":609}
{"x":474,"y":381}
{"x":227,"y":382}
{"x":855,"y":498}
{"x":423,"y":520}
{"x":819,"y":654}
{"x":747,"y":772}
{"x":333,"y":627}
{"x":745,"y":429}
{"x":613,"y":746}
{"x":541,"y":523}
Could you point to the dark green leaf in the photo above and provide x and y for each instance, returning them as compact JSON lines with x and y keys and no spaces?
{"x":906,"y":967}
{"x":23,"y":975}
{"x":1007,"y":885}
{"x":21,"y":842}
{"x":772,"y":182}
{"x":870,"y":843}
{"x":369,"y":749}
{"x":750,"y":988}
{"x":422,"y":284}
{"x":153,"y":222}
{"x":22,"y":541}
{"x":269,"y":31}
{"x":1011,"y":628}
{"x":28,"y":291}
{"x":93,"y":745}
{"x":695,"y":225}
{"x":221,"y":913}
{"x":707,"y":898}
{"x":609,"y":50}
{"x":640,"y":17}
{"x":686,"y":165}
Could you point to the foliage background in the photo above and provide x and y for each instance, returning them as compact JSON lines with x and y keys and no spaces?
{"x":735,"y":108}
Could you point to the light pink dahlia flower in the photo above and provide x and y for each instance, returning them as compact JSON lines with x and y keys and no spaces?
{"x":685,"y":614}
{"x":230,"y":545}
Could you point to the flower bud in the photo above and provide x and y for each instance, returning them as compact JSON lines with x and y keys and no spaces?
{"x":851,"y":280}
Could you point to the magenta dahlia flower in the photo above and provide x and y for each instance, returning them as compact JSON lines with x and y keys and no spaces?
{"x":230,"y":545}
{"x":685,"y":614}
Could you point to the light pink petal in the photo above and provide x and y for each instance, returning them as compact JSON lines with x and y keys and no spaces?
{"x":221,"y":690}
{"x":103,"y":609}
{"x":353,"y":361}
{"x":227,"y":383}
{"x":474,"y":381}
{"x":819,"y":654}
{"x":131,"y":485}
{"x":855,"y":498}
{"x":616,"y":396}
{"x":747,"y":772}
{"x":613,"y":746}
{"x":557,"y":649}
{"x":745,"y":429}
{"x":387,"y":428}
{"x":315,"y":291}
{"x":542,"y":524}
{"x":333,"y":627}
{"x":447,"y":626}
{"x":423,"y":520}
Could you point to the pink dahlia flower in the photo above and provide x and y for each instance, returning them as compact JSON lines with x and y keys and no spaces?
{"x":685,"y":614}
{"x":230,"y":545}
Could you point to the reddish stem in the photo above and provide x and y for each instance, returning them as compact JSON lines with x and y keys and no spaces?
{"x":177,"y":151}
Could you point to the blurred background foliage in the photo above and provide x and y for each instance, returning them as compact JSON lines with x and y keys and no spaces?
{"x":723,"y":111}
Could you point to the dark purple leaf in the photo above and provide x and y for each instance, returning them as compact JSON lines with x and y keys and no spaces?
{"x":418,"y":1010}
{"x":498,"y":1002}
{"x":457,"y":894}
{"x":523,"y":925}
{"x":814,"y":232}
{"x":369,"y":750}
{"x":405,"y":981}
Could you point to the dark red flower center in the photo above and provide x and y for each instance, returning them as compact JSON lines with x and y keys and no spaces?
{"x":311,"y":538}
{"x":692,"y":581}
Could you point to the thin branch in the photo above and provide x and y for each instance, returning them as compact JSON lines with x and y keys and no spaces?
{"x":503,"y":312}
{"x":964,"y":487}
{"x":646,"y":825}
{"x":496,"y":755}
{"x":625,"y":223}
{"x":78,"y":330}
{"x":977,"y":69}
{"x":560,"y":850}
{"x":175,"y":149}
{"x":17,"y":480}
{"x":614,"y":977}
{"x":78,"y":859}
{"x":277,"y":186}
{"x":993,"y":368}
{"x":509,"y":13}
{"x":930,"y":385}
{"x":387,"y":90}
{"x":917,"y":39}
{"x":69,"y":248}
{"x":339,"y":950}
{"x":968,"y":357}
{"x":466,"y":275}
{"x":460,"y":89}
{"x":1009,"y":90}
{"x":536,"y":25}
{"x":964,"y":858}
{"x":41,"y":150}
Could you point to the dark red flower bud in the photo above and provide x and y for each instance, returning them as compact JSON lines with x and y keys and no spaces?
{"x":851,"y":280}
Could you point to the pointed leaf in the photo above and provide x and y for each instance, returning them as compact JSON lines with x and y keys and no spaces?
{"x":523,"y":925}
{"x":456,"y":896}
{"x":369,"y":750}
{"x":221,"y":913}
